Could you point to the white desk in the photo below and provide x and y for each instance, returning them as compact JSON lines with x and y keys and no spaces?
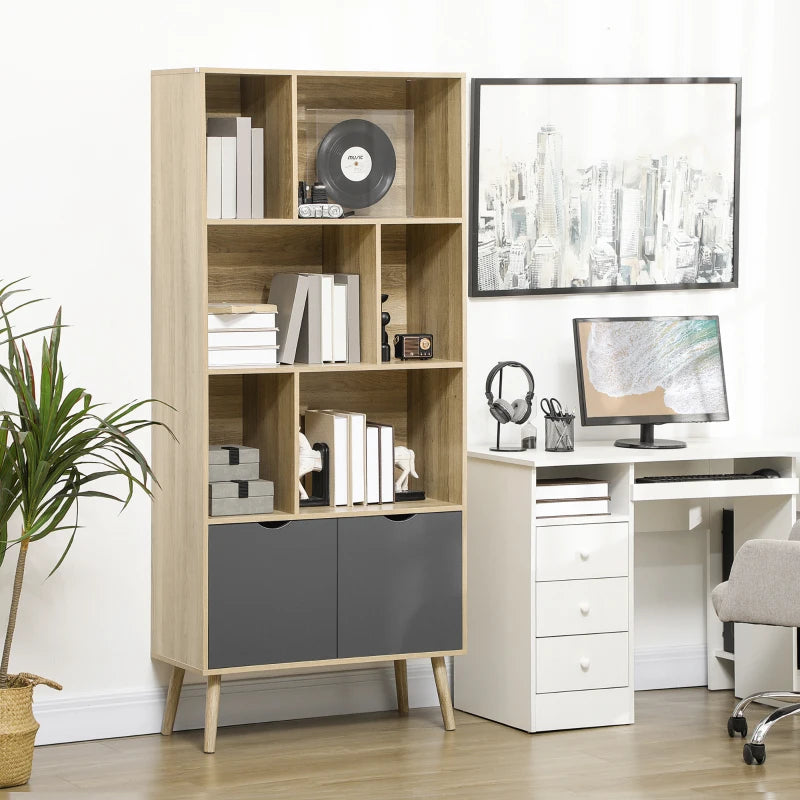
{"x":550,"y":633}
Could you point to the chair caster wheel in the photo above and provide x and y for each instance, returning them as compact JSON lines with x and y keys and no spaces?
{"x":754,"y":753}
{"x":737,"y":725}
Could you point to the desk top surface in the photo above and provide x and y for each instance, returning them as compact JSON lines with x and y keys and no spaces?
{"x":605,"y":453}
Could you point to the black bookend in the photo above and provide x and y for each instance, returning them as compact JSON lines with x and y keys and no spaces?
{"x":320,"y":481}
{"x":727,"y":563}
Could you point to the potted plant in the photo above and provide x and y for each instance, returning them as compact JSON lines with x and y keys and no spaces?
{"x":56,"y":447}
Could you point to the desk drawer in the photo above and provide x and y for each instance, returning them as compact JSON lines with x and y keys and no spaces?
{"x":575,"y":607}
{"x":568,"y":663}
{"x":596,"y":550}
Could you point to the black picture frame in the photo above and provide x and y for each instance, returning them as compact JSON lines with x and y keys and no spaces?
{"x":731,"y":243}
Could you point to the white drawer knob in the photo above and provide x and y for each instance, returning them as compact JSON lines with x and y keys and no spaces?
{"x":584,"y":607}
{"x":585,"y":663}
{"x":584,"y":554}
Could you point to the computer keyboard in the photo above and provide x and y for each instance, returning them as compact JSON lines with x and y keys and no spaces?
{"x":730,"y":476}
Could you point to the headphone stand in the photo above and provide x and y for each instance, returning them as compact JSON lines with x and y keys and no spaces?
{"x":497,"y":448}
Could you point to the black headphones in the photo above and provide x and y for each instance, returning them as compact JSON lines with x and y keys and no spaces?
{"x":502,"y":410}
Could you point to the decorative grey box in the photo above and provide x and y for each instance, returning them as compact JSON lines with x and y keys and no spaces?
{"x":240,"y":497}
{"x":232,"y":462}
{"x":230,"y":454}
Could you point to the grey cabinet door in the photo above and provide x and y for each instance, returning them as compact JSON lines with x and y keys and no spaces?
{"x":399,"y":584}
{"x":271,"y":593}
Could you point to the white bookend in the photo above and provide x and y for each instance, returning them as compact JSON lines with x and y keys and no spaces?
{"x":386,"y":456}
{"x":373,"y":465}
{"x":289,"y":292}
{"x":339,"y":322}
{"x":214,"y":177}
{"x":571,"y":508}
{"x":353,"y":315}
{"x":266,"y":337}
{"x":326,"y":320}
{"x":257,"y":174}
{"x":333,"y":430}
{"x":242,"y":356}
{"x":570,"y":488}
{"x":228,"y":177}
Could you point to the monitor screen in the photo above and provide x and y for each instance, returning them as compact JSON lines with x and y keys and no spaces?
{"x":634,"y":370}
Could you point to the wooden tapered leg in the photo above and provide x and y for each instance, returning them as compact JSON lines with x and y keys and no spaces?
{"x":173,"y":698}
{"x":212,"y":712}
{"x":401,"y":682}
{"x":443,"y":688}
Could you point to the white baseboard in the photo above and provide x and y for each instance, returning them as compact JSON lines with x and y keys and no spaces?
{"x":137,"y":712}
{"x":670,"y":667}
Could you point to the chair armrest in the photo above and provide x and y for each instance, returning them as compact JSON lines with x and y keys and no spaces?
{"x":764,"y":586}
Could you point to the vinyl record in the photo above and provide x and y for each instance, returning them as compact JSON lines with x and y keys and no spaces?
{"x":357,"y":163}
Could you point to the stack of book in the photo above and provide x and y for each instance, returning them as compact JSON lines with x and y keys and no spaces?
{"x":234,"y":168}
{"x":571,"y":497}
{"x":233,"y":483}
{"x":318,"y":317}
{"x":242,"y":335}
{"x":361,"y":456}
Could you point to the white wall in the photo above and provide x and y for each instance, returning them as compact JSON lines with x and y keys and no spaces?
{"x":74,"y":214}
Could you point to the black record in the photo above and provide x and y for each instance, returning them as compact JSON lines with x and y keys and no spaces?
{"x":357,"y":163}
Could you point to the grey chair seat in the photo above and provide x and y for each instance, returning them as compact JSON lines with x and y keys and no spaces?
{"x":763,"y":589}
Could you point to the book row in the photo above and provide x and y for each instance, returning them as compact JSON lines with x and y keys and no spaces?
{"x":234,"y":168}
{"x":242,"y":335}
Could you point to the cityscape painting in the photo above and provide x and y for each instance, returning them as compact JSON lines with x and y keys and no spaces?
{"x":601,"y":185}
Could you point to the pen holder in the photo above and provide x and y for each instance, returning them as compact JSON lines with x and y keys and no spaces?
{"x":559,"y":434}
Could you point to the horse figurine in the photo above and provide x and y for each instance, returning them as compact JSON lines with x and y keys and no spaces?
{"x":310,"y":461}
{"x":404,"y":461}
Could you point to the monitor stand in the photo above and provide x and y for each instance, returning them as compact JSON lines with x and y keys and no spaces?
{"x":647,"y":440}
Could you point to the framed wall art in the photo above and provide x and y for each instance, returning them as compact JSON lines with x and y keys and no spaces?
{"x":600,"y":185}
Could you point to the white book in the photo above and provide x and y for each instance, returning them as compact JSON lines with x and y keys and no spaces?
{"x":242,"y":356}
{"x":241,"y":322}
{"x":214,"y":177}
{"x":257,"y":176}
{"x":340,"y":322}
{"x":571,"y":508}
{"x":326,"y":319}
{"x":358,"y":455}
{"x":228,"y":177}
{"x":289,"y":292}
{"x":309,"y":339}
{"x":373,"y":465}
{"x":240,"y":128}
{"x":353,"y":315}
{"x":267,"y":337}
{"x":333,"y":430}
{"x":386,"y":455}
{"x":570,"y":488}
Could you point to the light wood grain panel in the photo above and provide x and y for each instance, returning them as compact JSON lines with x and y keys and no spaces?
{"x":225,"y":409}
{"x":173,"y":698}
{"x":270,"y":423}
{"x":223,"y":95}
{"x":393,"y":278}
{"x":435,"y":286}
{"x":242,"y":261}
{"x":331,"y":91}
{"x":354,"y":250}
{"x":179,"y":364}
{"x":438,"y":146}
{"x":435,"y":426}
{"x":379,"y":395}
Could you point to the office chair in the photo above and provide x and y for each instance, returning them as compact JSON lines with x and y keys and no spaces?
{"x":763,"y":589}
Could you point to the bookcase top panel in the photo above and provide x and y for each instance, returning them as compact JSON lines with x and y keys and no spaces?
{"x":312,"y":73}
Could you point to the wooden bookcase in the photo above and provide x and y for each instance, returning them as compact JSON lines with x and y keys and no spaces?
{"x":420,"y":262}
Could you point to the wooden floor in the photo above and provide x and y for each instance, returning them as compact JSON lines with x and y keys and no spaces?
{"x":678,"y":748}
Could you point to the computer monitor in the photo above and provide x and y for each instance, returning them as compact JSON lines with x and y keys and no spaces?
{"x":650,"y":370}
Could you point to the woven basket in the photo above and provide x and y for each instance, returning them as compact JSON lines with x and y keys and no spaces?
{"x":18,"y":728}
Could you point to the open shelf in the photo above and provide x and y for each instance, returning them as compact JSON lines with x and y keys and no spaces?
{"x":681,"y":490}
{"x":395,"y":364}
{"x":342,"y":221}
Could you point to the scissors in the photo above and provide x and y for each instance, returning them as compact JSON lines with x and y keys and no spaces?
{"x":551,"y":408}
